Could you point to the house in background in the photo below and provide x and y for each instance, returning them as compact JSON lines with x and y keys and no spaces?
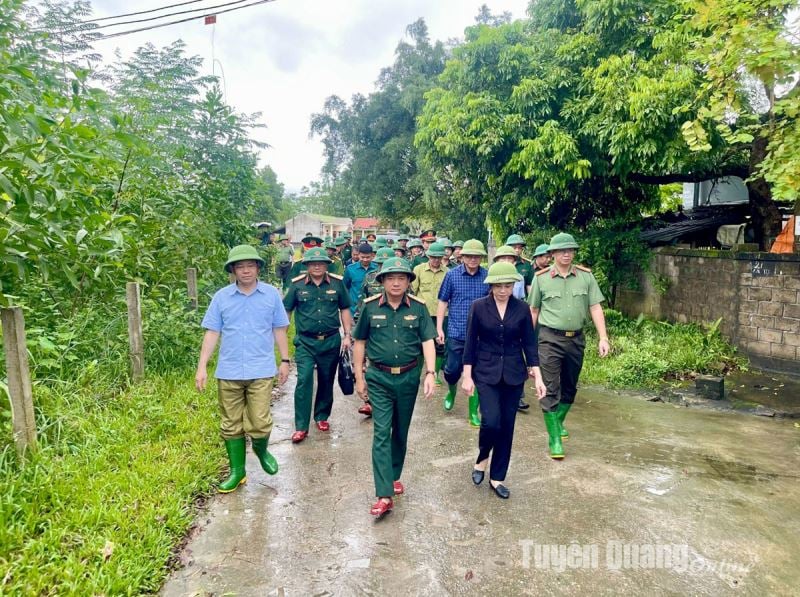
{"x":724,"y":191}
{"x":319,"y":225}
{"x":364,"y":226}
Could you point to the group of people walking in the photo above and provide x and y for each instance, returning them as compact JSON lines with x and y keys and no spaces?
{"x":408,"y":318}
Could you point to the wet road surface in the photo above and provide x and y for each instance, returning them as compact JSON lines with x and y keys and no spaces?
{"x":651,"y":498}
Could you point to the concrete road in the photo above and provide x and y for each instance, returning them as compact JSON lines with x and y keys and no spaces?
{"x":652,"y":498}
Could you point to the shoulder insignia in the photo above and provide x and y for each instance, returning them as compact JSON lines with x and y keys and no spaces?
{"x":372,"y":298}
{"x":336,"y":276}
{"x":541,"y":271}
{"x":298,"y":278}
{"x":414,"y":297}
{"x":583,"y":268}
{"x":526,"y":260}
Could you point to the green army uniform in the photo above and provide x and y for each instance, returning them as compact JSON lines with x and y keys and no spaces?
{"x":394,"y":340}
{"x":525,"y":269}
{"x":316,"y":341}
{"x":419,"y":260}
{"x":298,"y":268}
{"x":563,"y":303}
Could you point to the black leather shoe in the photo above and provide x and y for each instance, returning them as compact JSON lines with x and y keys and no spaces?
{"x":477,"y":476}
{"x":501,"y":491}
{"x":523,"y":405}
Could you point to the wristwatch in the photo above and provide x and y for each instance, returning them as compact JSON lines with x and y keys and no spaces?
{"x":285,"y":361}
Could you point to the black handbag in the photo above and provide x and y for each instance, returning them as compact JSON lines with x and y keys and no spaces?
{"x":345,"y":373}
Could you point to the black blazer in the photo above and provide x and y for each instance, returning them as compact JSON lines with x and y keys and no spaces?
{"x":500,"y":349}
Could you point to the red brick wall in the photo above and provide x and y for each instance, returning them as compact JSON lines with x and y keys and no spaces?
{"x":757,"y":295}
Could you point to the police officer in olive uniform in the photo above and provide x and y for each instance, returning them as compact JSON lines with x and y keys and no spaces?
{"x":524,"y":266}
{"x":394,"y":329}
{"x":561,"y":297}
{"x":320,"y":302}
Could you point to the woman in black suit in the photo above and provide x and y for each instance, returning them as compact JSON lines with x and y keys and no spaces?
{"x":500,"y":353}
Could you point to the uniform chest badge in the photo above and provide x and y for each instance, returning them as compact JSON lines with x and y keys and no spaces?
{"x":379,"y":317}
{"x":409,"y":317}
{"x":330,"y":292}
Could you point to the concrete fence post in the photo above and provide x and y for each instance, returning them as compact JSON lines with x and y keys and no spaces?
{"x":191,"y":287}
{"x":135,"y":330}
{"x":20,"y":391}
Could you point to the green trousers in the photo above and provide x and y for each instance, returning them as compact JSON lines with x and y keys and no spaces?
{"x":309,"y":352}
{"x":392,"y":398}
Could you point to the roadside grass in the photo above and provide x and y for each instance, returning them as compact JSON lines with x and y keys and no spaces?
{"x":646,"y":353}
{"x":111,"y":491}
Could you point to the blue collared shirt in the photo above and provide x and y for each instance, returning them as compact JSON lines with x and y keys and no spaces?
{"x":354,"y":276}
{"x":458,"y":290}
{"x":245,"y":323}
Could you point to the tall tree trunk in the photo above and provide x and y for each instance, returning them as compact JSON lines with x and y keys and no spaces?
{"x":765,"y":214}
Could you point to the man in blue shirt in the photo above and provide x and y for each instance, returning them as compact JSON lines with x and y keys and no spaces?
{"x":460,"y":287}
{"x":250,"y":317}
{"x":355,"y":273}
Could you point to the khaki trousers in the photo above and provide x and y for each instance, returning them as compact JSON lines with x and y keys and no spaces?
{"x":245,"y":407}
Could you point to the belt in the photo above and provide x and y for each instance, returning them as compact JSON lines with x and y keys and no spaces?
{"x":566,"y":333}
{"x":394,"y":370}
{"x":321,"y":335}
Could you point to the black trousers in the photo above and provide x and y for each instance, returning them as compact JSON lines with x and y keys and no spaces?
{"x":498,"y":414}
{"x":561,"y":361}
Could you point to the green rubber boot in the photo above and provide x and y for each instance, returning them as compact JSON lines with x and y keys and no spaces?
{"x":474,"y":419}
{"x":236,"y":454}
{"x":268,"y":462}
{"x":437,"y":378}
{"x":554,"y":432}
{"x":450,"y":399}
{"x":563,"y":409}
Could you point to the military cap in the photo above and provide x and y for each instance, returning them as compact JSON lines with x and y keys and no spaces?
{"x":242,"y":253}
{"x":541,"y":250}
{"x":502,"y":273}
{"x":561,"y":241}
{"x":414,"y":242}
{"x":436,"y":250}
{"x":473,"y":247}
{"x":428,"y":235}
{"x":515,"y":239}
{"x":505,"y":251}
{"x":395,"y":265}
{"x":339,"y":241}
{"x":316,"y":255}
{"x":383,"y":254}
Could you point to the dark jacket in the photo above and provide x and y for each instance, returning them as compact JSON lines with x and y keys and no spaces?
{"x":500,"y":350}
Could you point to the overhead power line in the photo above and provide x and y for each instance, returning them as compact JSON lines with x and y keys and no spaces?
{"x":204,"y":9}
{"x":218,"y":12}
{"x":141,"y":12}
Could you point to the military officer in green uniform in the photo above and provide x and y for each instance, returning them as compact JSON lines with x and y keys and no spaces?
{"x":524,"y":265}
{"x":455,"y":259}
{"x":320,"y":303}
{"x":335,"y":266}
{"x":541,"y":258}
{"x":394,"y":329}
{"x":415,"y":248}
{"x":284,"y":258}
{"x":561,"y":297}
{"x":402,"y":241}
{"x":309,"y":242}
{"x":346,"y":250}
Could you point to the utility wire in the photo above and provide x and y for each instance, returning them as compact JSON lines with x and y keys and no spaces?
{"x":141,"y":12}
{"x":121,"y":33}
{"x":158,"y":17}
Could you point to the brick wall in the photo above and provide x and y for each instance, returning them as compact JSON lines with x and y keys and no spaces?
{"x":757,"y":295}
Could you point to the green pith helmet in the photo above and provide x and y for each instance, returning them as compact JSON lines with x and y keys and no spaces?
{"x":505,"y":251}
{"x":502,"y":273}
{"x":383,"y":254}
{"x":328,"y":238}
{"x":561,"y":241}
{"x":348,"y":235}
{"x":515,"y":239}
{"x":436,"y":250}
{"x":242,"y":253}
{"x":316,"y":255}
{"x":339,"y":241}
{"x":310,"y":238}
{"x":396,"y":265}
{"x":329,"y":245}
{"x":446,"y":243}
{"x":414,"y":242}
{"x":402,"y":237}
{"x":473,"y":247}
{"x":283,"y":237}
{"x":458,"y":243}
{"x":380,"y":242}
{"x":541,"y":250}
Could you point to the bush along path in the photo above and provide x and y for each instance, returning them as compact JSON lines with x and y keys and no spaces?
{"x":111,"y":492}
